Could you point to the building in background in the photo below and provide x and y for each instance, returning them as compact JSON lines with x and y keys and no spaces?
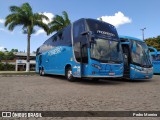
{"x":20,"y":61}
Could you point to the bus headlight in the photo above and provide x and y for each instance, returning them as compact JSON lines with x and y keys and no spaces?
{"x":144,"y":70}
{"x":150,"y":70}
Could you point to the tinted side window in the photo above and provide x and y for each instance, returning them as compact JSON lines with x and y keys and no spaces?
{"x":62,"y":38}
{"x":67,"y":36}
{"x":77,"y":51}
{"x":84,"y":54}
{"x":78,"y":28}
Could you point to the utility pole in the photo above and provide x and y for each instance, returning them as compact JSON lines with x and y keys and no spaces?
{"x":143,"y":33}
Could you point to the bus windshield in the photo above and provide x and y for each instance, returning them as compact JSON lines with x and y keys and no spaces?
{"x":106,"y":51}
{"x":140,"y":53}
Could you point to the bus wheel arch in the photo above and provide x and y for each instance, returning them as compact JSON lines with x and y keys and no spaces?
{"x":68,"y":73}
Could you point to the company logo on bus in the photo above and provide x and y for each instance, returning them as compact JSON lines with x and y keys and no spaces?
{"x":105,"y":33}
{"x":55,"y":51}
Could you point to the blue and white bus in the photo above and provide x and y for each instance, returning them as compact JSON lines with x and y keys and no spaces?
{"x":137,"y":62}
{"x":155,"y":60}
{"x":87,"y":48}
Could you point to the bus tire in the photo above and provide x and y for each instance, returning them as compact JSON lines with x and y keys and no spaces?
{"x":68,"y":74}
{"x":95,"y":79}
{"x":41,"y":72}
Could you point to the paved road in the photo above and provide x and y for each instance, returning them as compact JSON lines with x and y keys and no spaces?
{"x":55,"y":93}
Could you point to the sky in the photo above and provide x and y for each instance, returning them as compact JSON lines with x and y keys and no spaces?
{"x":128,"y":16}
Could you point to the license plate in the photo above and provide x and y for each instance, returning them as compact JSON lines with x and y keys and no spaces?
{"x":147,"y":76}
{"x":111,"y":74}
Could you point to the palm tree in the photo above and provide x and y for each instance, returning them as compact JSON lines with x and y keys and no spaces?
{"x":59,"y":22}
{"x":25,"y":17}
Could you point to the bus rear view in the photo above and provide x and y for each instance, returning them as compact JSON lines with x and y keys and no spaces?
{"x":90,"y":49}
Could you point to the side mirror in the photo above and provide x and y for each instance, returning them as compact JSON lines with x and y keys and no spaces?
{"x":86,"y":32}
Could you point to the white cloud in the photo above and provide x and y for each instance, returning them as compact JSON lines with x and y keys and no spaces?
{"x":2,"y":20}
{"x":118,"y":19}
{"x":6,"y":31}
{"x":40,"y":31}
{"x":2,"y":29}
{"x":49,"y":15}
{"x":1,"y":48}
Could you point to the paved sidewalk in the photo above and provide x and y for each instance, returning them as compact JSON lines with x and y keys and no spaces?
{"x":55,"y":93}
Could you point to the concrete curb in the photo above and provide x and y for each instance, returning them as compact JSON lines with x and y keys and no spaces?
{"x":15,"y":75}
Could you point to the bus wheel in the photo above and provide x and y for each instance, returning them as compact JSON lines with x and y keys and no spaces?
{"x":69,"y":75}
{"x":41,"y":72}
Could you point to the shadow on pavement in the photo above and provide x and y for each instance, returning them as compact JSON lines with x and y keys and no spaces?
{"x":132,"y":81}
{"x":108,"y":81}
{"x":85,"y":81}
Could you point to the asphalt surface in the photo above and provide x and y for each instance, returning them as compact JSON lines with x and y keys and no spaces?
{"x":55,"y":93}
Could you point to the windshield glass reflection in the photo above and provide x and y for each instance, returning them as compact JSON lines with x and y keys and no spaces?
{"x":106,"y":51}
{"x":140,"y":53}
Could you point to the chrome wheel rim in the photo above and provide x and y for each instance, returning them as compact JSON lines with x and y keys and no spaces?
{"x":42,"y":72}
{"x":69,"y":74}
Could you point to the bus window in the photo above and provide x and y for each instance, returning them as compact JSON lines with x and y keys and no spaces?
{"x":77,"y":51}
{"x":78,"y":28}
{"x":84,"y":54}
{"x":67,"y":36}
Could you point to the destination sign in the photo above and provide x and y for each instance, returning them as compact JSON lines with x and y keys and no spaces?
{"x":105,"y":33}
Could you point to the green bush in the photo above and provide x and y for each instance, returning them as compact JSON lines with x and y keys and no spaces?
{"x":7,"y":67}
{"x":1,"y":66}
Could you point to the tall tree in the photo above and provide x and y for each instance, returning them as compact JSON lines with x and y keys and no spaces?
{"x":59,"y":22}
{"x":25,"y":17}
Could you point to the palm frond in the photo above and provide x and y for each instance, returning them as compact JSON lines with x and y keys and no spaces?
{"x":10,"y":18}
{"x":13,"y":24}
{"x":38,"y":16}
{"x":66,"y":18}
{"x":42,"y":25}
{"x":27,"y":8}
{"x":59,"y":22}
{"x":15,"y":9}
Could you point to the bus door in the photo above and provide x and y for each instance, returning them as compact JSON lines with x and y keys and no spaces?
{"x":81,"y":56}
{"x":84,"y":59}
{"x":126,"y":58}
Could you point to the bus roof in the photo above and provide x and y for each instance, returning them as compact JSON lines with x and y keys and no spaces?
{"x":129,"y":37}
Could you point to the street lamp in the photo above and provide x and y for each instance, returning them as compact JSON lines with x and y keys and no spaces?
{"x":143,"y":32}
